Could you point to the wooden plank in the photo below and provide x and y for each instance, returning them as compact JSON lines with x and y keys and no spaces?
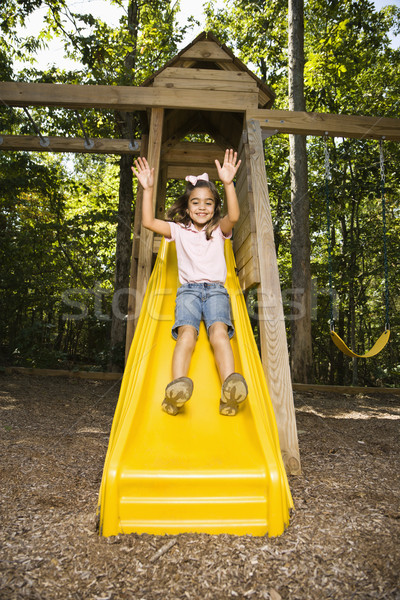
{"x":200,"y":153}
{"x":248,"y":276}
{"x":245,"y":229}
{"x":225,"y":128}
{"x":220,"y":86}
{"x":206,"y":51}
{"x":146,"y":236}
{"x":275,"y":356}
{"x":107,"y":376}
{"x":180,"y":172}
{"x":136,"y":98}
{"x":156,"y":243}
{"x":242,"y":231}
{"x":247,"y":263}
{"x":342,"y":389}
{"x":219,"y":80}
{"x":284,"y":121}
{"x":246,"y":251}
{"x":127,"y":98}
{"x":133,"y":278}
{"x":177,"y":124}
{"x":246,"y":225}
{"x":161,"y":194}
{"x":242,"y":188}
{"x":205,"y":75}
{"x":59,"y":144}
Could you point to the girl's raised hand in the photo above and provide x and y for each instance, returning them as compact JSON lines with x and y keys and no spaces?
{"x":227,"y":172}
{"x":143,"y":172}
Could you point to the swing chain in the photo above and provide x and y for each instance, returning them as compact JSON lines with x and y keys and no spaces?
{"x":44,"y":141}
{"x":328,"y":177}
{"x":385,"y":258}
{"x":382,"y":161}
{"x":88,"y":142}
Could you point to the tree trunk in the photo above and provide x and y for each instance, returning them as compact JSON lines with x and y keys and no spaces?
{"x":123,"y":243}
{"x":301,"y":347}
{"x":122,"y":264}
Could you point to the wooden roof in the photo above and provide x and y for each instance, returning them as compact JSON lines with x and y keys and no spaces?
{"x":207,"y":53}
{"x":202,"y":73}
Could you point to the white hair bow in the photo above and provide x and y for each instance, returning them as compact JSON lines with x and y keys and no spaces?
{"x":193,"y":179}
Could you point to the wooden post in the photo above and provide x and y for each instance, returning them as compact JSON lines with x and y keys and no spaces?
{"x":132,"y":317}
{"x":161,"y":194}
{"x":274,"y":351}
{"x":146,"y":236}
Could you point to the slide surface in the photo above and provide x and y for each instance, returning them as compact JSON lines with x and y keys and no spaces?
{"x":197,"y":471}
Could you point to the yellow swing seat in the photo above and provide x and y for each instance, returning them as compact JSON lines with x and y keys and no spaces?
{"x":376,"y":348}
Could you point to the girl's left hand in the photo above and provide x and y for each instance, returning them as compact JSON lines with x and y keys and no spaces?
{"x":227,"y":172}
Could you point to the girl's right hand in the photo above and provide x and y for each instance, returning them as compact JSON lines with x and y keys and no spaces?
{"x":143,"y":172}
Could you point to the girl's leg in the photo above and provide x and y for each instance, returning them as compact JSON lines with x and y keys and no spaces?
{"x":185,"y":344}
{"x":181,"y":387}
{"x":234,"y":387}
{"x":219,"y":339}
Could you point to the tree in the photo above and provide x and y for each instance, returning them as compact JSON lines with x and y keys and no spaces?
{"x":301,"y":347}
{"x":123,"y":56}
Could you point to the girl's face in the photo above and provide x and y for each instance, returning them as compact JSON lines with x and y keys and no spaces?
{"x":201,"y":206}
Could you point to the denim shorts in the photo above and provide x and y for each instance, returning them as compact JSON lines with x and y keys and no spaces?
{"x":202,"y":301}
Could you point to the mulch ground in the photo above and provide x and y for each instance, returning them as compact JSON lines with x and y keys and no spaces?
{"x":342,"y":542}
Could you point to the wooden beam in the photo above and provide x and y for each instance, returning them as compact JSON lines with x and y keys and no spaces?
{"x":225,"y":128}
{"x":179,"y":172}
{"x":59,"y":144}
{"x":351,"y":126}
{"x":139,"y":98}
{"x":127,"y":98}
{"x":206,"y":75}
{"x":206,"y":51}
{"x":206,"y":79}
{"x":63,"y":373}
{"x":245,"y":232}
{"x":193,"y":153}
{"x":214,"y":86}
{"x":177,"y":124}
{"x":274,"y":350}
{"x":146,"y":236}
{"x":342,"y":389}
{"x":133,"y":308}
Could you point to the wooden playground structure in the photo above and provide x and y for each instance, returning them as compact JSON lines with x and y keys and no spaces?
{"x":205,"y":89}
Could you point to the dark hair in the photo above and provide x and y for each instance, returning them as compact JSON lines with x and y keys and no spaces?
{"x":178,"y":211}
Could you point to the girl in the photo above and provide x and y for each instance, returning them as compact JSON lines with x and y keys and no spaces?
{"x":199,"y":233}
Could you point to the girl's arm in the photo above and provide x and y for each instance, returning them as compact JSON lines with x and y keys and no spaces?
{"x":226,"y":174}
{"x":145,"y":177}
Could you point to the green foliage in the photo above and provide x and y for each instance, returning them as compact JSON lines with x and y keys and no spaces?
{"x":75,"y":239}
{"x":56,"y":251}
{"x":59,"y":215}
{"x":256,"y":32}
{"x":350,"y":68}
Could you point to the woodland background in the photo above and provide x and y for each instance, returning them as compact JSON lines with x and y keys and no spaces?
{"x":66,"y":220}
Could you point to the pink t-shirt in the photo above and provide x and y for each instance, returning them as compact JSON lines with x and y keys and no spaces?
{"x":199,"y":260}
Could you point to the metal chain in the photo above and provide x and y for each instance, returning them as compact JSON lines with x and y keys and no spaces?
{"x":328,"y":177}
{"x":327,"y":160}
{"x":385,"y":258}
{"x":382,"y":161}
{"x":43,"y":140}
{"x":88,"y":142}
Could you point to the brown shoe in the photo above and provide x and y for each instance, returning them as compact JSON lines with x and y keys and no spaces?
{"x":234,"y":392}
{"x":176,"y":394}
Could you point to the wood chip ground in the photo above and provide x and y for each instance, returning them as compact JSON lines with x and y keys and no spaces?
{"x":342,"y":542}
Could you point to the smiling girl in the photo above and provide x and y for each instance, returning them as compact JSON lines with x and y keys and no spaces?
{"x":199,"y":233}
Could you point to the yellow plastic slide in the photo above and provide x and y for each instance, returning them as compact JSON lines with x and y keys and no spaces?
{"x":197,"y":471}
